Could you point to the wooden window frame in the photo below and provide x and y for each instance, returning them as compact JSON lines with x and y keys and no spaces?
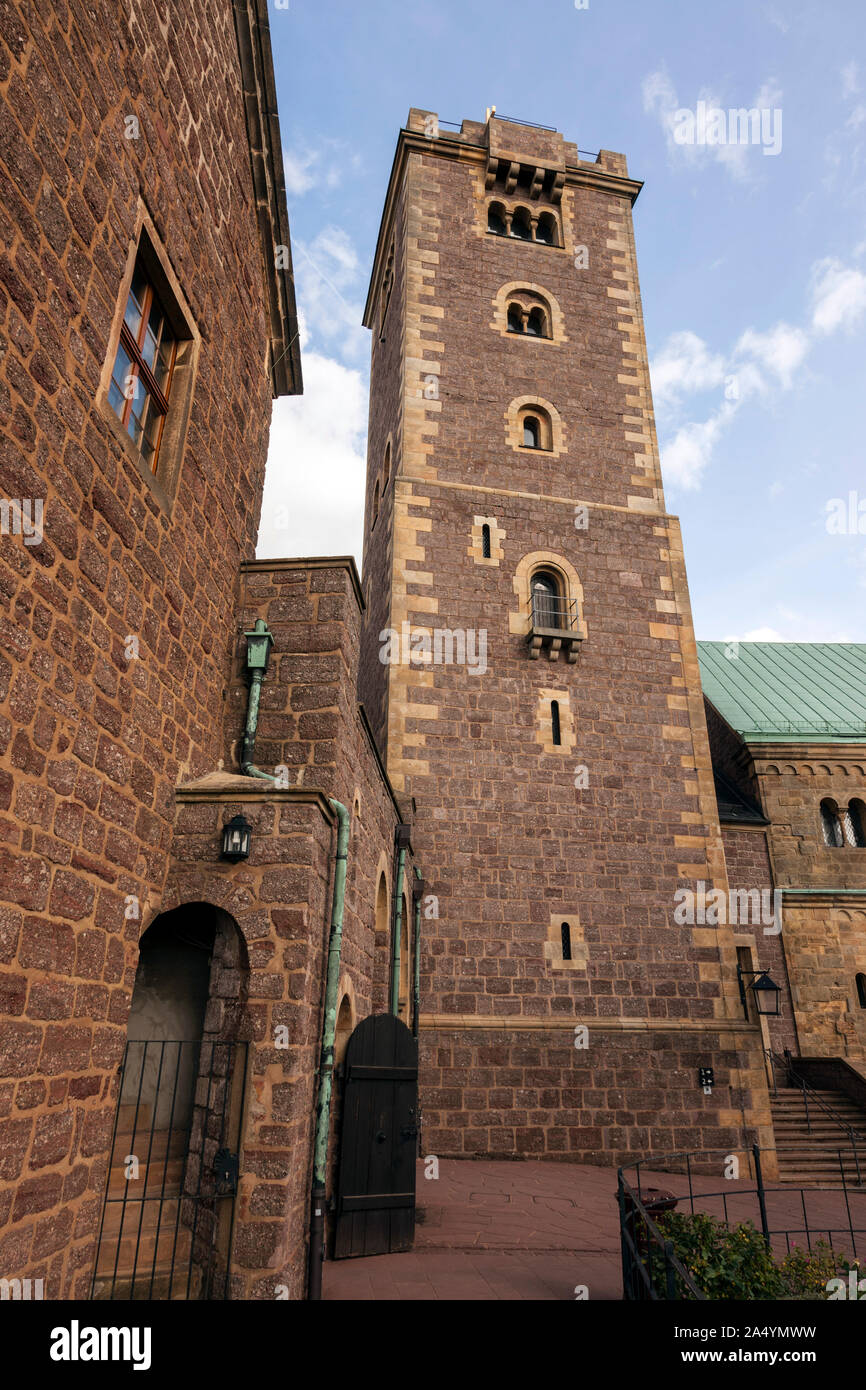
{"x":146,"y":250}
{"x":139,"y":367}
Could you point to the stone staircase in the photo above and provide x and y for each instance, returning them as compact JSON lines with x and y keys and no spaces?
{"x":808,"y":1151}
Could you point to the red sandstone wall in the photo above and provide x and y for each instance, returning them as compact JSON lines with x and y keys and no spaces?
{"x":93,"y":744}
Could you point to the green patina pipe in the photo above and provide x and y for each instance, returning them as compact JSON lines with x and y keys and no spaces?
{"x":259,"y":642}
{"x":395,"y":945}
{"x":326,"y":1056}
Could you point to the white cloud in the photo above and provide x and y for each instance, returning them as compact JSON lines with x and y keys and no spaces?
{"x":850,"y":82}
{"x":779,"y":351}
{"x":683,"y":367}
{"x":327,"y":276}
{"x":660,"y":100}
{"x":763,"y":634}
{"x":689,"y":454}
{"x":838,"y":295}
{"x":298,"y":171}
{"x":314,"y":484}
{"x":322,"y":165}
{"x":759,"y":362}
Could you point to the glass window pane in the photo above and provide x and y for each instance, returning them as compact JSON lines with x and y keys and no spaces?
{"x":115,"y":398}
{"x":164,"y":359}
{"x":135,"y":302}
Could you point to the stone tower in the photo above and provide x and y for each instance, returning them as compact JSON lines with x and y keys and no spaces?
{"x":530,"y":666}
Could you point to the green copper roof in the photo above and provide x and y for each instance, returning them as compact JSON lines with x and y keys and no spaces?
{"x":784,"y":691}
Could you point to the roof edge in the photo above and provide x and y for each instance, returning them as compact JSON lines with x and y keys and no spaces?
{"x":269,"y":191}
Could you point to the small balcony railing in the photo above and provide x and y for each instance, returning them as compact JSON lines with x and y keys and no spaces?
{"x":554,"y":626}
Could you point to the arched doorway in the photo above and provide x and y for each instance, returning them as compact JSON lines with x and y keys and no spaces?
{"x":169,"y":1201}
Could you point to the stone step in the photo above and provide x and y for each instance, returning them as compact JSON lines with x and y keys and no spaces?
{"x":152,"y":1179}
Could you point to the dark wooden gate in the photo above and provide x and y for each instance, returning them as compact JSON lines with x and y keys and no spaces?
{"x":376,"y":1183}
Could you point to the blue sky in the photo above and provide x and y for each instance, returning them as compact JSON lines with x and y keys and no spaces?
{"x":752,"y":266}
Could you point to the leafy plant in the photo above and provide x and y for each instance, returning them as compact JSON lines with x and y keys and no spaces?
{"x":734,"y":1262}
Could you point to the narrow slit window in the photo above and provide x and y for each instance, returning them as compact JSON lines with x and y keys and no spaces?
{"x":485,"y":541}
{"x":566,"y":941}
{"x":530,"y":432}
{"x":861,"y":990}
{"x":554,"y":721}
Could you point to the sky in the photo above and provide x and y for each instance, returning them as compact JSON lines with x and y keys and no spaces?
{"x":752,"y":261}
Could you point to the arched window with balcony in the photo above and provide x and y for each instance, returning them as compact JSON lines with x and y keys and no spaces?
{"x":547,"y":600}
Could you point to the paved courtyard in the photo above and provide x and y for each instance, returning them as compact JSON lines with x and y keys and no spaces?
{"x":533,"y":1230}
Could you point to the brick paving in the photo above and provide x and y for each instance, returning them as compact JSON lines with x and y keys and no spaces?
{"x":533,"y":1230}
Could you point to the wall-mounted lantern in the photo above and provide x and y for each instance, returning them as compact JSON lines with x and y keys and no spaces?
{"x":237,"y":837}
{"x":259,"y":642}
{"x":765,"y":992}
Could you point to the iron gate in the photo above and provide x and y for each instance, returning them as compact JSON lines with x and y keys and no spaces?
{"x":168,"y":1214}
{"x":376,"y":1184}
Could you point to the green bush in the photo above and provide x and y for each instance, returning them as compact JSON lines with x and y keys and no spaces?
{"x":734,"y":1262}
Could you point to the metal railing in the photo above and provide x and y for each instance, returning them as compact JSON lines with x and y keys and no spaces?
{"x":810,"y":1095}
{"x":651,"y":1269}
{"x":647,"y":1253}
{"x":168,"y":1214}
{"x":552,"y":612}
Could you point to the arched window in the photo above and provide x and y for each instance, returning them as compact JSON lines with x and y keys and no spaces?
{"x":546,"y":231}
{"x":515,"y":318}
{"x":830,"y":824}
{"x":344,"y":1028}
{"x":521,"y":225}
{"x":861,"y":990}
{"x":554,"y":722}
{"x":546,"y":605}
{"x":386,"y":466}
{"x":536,"y":430}
{"x":375,"y":504}
{"x":536,"y":324}
{"x":854,"y":825}
{"x":566,"y":941}
{"x":485,"y":541}
{"x":496,"y":220}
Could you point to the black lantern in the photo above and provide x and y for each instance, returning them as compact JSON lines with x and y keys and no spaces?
{"x":237,"y":835}
{"x":765,"y":992}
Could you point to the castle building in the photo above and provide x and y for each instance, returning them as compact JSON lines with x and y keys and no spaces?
{"x":299,"y":874}
{"x":563,"y":786}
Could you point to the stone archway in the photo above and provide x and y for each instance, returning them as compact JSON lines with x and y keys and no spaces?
{"x":169,"y":1200}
